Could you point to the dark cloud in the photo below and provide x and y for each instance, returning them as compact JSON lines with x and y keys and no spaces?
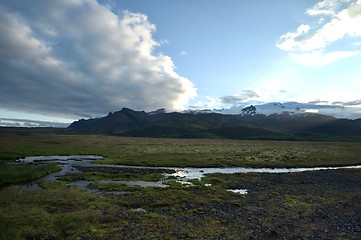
{"x":66,"y":57}
{"x":242,"y":96}
{"x":319,"y":102}
{"x":83,"y":115}
{"x":349,"y":103}
{"x":342,"y":103}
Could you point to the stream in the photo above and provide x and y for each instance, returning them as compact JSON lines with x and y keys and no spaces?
{"x":71,"y":164}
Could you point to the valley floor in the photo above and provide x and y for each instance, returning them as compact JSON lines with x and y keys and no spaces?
{"x":310,"y":205}
{"x":307,"y":205}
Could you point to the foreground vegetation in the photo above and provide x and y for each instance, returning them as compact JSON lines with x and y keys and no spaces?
{"x":319,"y":205}
{"x":310,"y":205}
{"x":13,"y":173}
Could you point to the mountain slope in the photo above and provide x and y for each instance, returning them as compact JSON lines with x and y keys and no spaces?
{"x":286,"y":125}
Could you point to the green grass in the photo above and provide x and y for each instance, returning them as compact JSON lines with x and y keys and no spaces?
{"x":110,"y":187}
{"x":15,"y":173}
{"x":98,"y":174}
{"x":182,"y":152}
{"x":57,"y":212}
{"x":60,"y":211}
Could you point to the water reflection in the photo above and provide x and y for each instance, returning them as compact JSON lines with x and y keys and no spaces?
{"x":71,"y":164}
{"x":198,"y":173}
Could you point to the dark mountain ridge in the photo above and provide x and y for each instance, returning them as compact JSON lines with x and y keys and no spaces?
{"x":286,"y":126}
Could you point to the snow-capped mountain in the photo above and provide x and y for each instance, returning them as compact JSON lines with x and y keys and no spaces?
{"x":304,"y":108}
{"x":296,"y":108}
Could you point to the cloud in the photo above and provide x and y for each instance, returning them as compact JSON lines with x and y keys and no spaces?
{"x":318,"y":58}
{"x":349,"y":103}
{"x":82,"y":115}
{"x":293,"y":40}
{"x":183,"y":53}
{"x":66,"y":57}
{"x":242,"y":96}
{"x":306,"y":41}
{"x":353,"y":103}
{"x":9,"y":122}
{"x":326,"y":7}
{"x":319,"y":102}
{"x":164,"y":42}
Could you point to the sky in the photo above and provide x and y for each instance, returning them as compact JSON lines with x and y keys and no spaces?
{"x":70,"y":59}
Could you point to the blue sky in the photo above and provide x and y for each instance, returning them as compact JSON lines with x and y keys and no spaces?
{"x":222,"y":48}
{"x":64,"y":60}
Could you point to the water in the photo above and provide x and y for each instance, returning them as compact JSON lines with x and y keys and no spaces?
{"x":59,"y":158}
{"x":70,"y":164}
{"x":198,"y":173}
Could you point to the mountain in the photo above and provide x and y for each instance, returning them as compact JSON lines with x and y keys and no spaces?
{"x":338,"y":111}
{"x":248,"y":124}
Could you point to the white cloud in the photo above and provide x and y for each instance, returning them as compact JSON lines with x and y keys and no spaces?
{"x":65,"y":57}
{"x":311,"y":110}
{"x":207,"y":102}
{"x":291,"y":41}
{"x":183,"y":53}
{"x":326,"y":7}
{"x":164,"y":42}
{"x":315,"y":40}
{"x":242,"y":97}
{"x":318,"y":59}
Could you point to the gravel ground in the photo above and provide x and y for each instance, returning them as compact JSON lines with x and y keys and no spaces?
{"x":309,"y":205}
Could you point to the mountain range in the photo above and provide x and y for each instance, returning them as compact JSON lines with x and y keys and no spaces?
{"x":278,"y":121}
{"x":338,"y":111}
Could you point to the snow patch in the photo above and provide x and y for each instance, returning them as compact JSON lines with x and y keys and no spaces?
{"x":293,"y":108}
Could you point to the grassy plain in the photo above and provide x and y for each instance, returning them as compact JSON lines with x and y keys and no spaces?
{"x":182,"y":152}
{"x":312,"y":205}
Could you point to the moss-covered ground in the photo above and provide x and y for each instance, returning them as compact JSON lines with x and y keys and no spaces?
{"x":13,"y":173}
{"x":309,"y":205}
